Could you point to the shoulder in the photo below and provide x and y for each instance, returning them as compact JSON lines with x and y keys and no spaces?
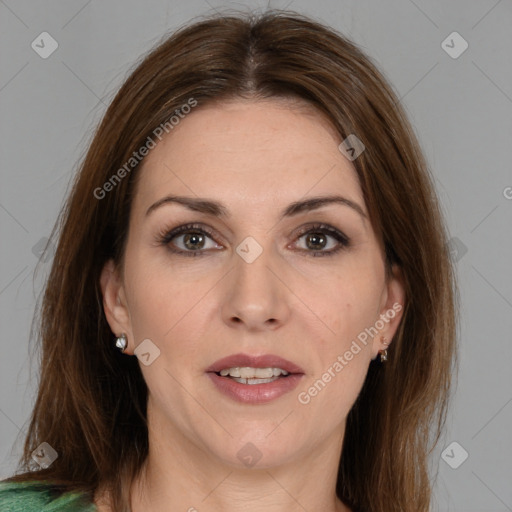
{"x":40,"y":497}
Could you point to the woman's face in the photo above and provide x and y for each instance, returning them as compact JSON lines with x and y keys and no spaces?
{"x":263,"y":271}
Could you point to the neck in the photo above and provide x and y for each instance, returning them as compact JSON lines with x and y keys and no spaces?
{"x":180,"y":475}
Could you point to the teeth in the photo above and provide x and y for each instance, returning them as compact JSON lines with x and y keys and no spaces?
{"x":232,"y":372}
{"x":256,"y":381}
{"x":253,"y":373}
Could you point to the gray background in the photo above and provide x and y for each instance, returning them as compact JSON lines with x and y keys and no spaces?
{"x":460,"y":107}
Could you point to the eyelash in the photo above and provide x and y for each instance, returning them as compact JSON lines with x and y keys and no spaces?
{"x":165,"y":237}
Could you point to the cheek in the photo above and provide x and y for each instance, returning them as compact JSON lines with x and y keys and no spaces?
{"x":162,"y":296}
{"x":347,"y":301}
{"x":342,"y":360}
{"x":173,"y":310}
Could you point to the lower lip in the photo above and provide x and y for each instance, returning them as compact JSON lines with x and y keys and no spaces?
{"x":255,"y":393}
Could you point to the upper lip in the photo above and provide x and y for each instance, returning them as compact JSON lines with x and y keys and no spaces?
{"x":249,"y":361}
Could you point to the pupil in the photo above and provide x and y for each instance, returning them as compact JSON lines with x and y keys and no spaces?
{"x":315,"y":241}
{"x":193,"y":239}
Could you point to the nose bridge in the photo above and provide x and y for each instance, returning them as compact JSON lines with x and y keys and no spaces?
{"x":256,"y":297}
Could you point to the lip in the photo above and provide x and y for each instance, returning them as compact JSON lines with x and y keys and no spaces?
{"x":246,"y":360}
{"x":255,"y":393}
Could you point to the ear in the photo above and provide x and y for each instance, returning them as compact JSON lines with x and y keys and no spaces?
{"x":114,"y":302}
{"x":391,"y":311}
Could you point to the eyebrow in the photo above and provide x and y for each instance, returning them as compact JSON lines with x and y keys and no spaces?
{"x":216,"y":209}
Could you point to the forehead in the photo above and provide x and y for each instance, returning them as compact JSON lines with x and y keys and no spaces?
{"x":270,"y":151}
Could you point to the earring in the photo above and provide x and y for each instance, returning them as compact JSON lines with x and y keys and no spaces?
{"x":122,"y":342}
{"x":384,"y":353}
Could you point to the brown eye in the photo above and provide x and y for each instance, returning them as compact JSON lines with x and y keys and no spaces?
{"x":316,"y":241}
{"x":194,"y":241}
{"x":321,"y":240}
{"x":189,"y":240}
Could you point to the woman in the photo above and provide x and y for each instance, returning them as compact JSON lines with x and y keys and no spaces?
{"x":255,"y":228}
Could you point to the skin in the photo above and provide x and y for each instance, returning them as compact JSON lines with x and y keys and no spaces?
{"x":255,"y":157}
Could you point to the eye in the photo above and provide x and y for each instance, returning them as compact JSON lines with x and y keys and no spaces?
{"x":193,"y":240}
{"x":198,"y":240}
{"x":322,"y":240}
{"x":189,"y":239}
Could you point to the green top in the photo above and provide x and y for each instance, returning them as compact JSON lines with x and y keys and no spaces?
{"x":39,"y":497}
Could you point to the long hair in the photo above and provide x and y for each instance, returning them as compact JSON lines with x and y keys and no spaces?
{"x":91,"y":401}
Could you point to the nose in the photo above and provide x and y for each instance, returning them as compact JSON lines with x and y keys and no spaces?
{"x":256,"y":298}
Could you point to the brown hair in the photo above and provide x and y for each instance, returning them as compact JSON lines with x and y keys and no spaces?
{"x":91,"y":403}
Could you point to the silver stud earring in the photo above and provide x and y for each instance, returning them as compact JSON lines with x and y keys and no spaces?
{"x":122,"y":342}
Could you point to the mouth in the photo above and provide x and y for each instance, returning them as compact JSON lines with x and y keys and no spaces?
{"x":251,"y":375}
{"x":254,"y":379}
